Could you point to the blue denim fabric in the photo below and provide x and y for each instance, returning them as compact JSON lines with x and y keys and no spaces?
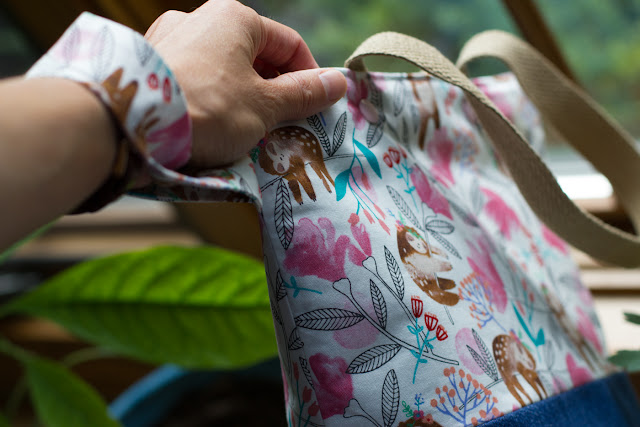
{"x":607,"y":402}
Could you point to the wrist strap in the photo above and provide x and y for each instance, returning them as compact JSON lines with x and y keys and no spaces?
{"x":120,"y":67}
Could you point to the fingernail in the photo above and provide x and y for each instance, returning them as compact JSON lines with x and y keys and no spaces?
{"x":334,"y":82}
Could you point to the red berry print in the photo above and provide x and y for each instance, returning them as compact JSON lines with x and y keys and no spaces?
{"x":152,"y":81}
{"x":166,"y":90}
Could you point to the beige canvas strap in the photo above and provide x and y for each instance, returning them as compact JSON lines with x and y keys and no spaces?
{"x":533,"y":178}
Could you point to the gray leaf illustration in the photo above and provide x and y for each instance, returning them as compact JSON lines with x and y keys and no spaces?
{"x":404,"y":207}
{"x":379,"y":304}
{"x":339,"y":133}
{"x":390,"y":398}
{"x":328,"y":319}
{"x":295,"y":343}
{"x":305,"y":370}
{"x":104,"y":44}
{"x":399,"y":95}
{"x":144,"y":51}
{"x":395,"y":272}
{"x":316,"y":125}
{"x":375,"y":131}
{"x":373,"y":358}
{"x":281,"y":291}
{"x":283,"y":215}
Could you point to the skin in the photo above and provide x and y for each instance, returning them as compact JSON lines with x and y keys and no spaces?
{"x":241,"y":73}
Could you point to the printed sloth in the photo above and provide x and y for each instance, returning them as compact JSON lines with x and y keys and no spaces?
{"x":423,"y":262}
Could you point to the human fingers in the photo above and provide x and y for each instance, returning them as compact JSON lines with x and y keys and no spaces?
{"x":283,"y":48}
{"x":164,"y":25}
{"x":300,"y":94}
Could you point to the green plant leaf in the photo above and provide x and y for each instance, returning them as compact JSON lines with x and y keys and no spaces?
{"x":60,"y":397}
{"x":632,"y":317}
{"x":6,"y":254}
{"x":3,"y":421}
{"x":627,"y":359}
{"x":196,"y":307}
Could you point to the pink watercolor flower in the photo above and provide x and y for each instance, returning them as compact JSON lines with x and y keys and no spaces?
{"x":428,"y":194}
{"x":504,"y":217}
{"x":334,"y":388}
{"x":453,"y":95}
{"x":481,"y":262}
{"x":558,"y":385}
{"x":551,"y":238}
{"x":171,"y":145}
{"x":578,"y":374}
{"x":499,"y":96}
{"x":440,"y":151}
{"x":359,"y":106}
{"x":317,"y":251}
{"x":584,"y":294}
{"x":469,"y":112}
{"x":379,"y":80}
{"x":361,"y":179}
{"x":588,"y":330}
{"x":362,"y":334}
{"x":362,"y":237}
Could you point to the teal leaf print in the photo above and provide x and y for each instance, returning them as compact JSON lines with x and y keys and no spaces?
{"x":371,"y":158}
{"x":341,"y":184}
{"x":407,"y":409}
{"x":539,"y":339}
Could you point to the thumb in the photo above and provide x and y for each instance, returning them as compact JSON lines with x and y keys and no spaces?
{"x":300,"y":94}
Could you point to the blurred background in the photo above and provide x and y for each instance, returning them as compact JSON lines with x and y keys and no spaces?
{"x":596,"y":43}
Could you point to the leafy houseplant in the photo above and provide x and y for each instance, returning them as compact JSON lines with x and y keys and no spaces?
{"x":628,"y":359}
{"x":200,"y":308}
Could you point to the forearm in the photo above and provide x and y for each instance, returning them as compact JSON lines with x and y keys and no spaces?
{"x":57,"y":145}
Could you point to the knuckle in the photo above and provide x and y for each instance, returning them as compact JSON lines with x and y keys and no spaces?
{"x":169,"y":16}
{"x":303,"y":95}
{"x":267,"y":110}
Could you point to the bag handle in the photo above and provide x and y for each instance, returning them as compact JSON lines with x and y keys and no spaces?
{"x":571,"y":112}
{"x":536,"y":183}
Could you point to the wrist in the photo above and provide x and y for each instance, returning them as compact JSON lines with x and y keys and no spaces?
{"x":127,"y":75}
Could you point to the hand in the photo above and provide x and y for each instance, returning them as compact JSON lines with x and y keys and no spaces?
{"x":223,"y":54}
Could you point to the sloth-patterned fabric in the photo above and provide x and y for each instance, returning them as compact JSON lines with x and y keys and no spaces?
{"x":411,"y":285}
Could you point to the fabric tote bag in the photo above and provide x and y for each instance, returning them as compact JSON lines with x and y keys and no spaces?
{"x":414,"y":241}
